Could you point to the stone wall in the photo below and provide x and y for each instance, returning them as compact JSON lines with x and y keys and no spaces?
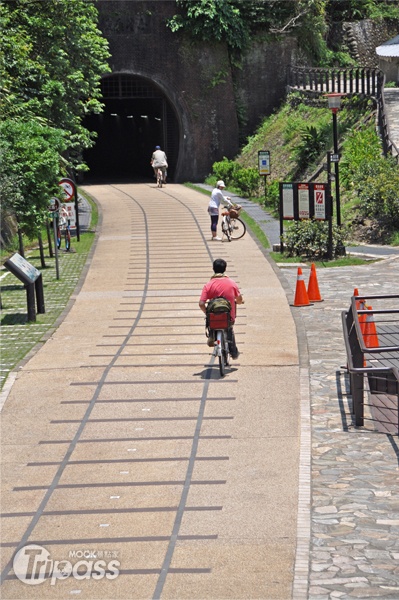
{"x":197,"y":79}
{"x":363,"y":37}
{"x":261,"y":82}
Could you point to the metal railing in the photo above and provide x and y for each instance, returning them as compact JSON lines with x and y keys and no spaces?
{"x":358,"y":80}
{"x":380,"y":363}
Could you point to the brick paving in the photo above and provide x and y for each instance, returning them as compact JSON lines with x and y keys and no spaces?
{"x":348,"y":542}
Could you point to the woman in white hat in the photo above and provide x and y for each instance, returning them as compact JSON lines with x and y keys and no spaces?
{"x":213,"y":208}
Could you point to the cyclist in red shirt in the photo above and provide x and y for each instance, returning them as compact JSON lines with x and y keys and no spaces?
{"x":221,"y":285}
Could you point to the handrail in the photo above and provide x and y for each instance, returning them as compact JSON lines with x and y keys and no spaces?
{"x":356,"y":351}
{"x":358,"y":80}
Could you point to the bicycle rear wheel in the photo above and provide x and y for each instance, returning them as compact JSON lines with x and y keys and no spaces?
{"x":223,"y":354}
{"x":226,"y":229}
{"x":237,"y":228}
{"x":159,"y":178}
{"x":67,"y":240}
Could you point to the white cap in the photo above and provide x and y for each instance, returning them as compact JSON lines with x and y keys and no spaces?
{"x":220,"y":184}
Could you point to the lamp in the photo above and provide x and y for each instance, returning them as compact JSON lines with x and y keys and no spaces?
{"x":334,"y":104}
{"x":334,"y":101}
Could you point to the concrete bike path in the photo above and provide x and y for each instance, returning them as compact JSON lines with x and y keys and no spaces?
{"x":119,"y":436}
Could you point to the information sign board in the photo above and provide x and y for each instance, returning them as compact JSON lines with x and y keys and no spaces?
{"x":264,"y":162}
{"x":303,"y":201}
{"x":20,"y":267}
{"x":320,"y":201}
{"x":54,"y":205}
{"x":68,"y":211}
{"x":288,"y":200}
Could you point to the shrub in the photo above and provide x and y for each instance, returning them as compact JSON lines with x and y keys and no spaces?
{"x":378,"y":191}
{"x":225,"y":170}
{"x":247,"y":181}
{"x":309,"y":239}
{"x":273,"y":195}
{"x":309,"y":147}
{"x":244,"y":179}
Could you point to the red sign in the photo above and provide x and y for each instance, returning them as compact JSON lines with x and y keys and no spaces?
{"x":69,"y":189}
{"x":320,"y":201}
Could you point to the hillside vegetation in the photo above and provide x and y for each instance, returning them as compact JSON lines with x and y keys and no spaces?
{"x":298,"y":137}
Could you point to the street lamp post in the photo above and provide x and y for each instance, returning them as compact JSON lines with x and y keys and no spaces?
{"x":334,"y":103}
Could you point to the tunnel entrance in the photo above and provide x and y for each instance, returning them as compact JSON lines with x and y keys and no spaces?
{"x":137,"y":117}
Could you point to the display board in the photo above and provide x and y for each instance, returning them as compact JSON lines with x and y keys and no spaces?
{"x":22,"y":269}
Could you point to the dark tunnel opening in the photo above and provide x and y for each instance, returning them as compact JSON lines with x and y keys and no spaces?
{"x":136,"y":118}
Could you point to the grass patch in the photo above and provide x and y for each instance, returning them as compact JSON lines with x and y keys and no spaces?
{"x":197,"y":188}
{"x":20,"y":336}
{"x":344,"y":261}
{"x":256,"y":230}
{"x":394,"y":241}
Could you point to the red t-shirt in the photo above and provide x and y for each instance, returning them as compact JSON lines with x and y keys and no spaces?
{"x":221,"y":286}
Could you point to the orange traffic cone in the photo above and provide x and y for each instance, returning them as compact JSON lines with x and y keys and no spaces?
{"x":370,"y":331}
{"x":301,"y":295}
{"x":313,"y":286}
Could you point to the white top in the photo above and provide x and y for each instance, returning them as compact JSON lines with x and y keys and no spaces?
{"x":159,"y":159}
{"x":216,"y":198}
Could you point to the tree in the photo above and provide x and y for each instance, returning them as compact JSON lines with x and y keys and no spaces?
{"x":51,"y":62}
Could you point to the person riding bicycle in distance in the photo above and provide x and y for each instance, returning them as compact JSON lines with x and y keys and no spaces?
{"x":221,"y":285}
{"x":159,"y":161}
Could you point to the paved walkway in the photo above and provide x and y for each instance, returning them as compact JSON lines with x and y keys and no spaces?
{"x":120,"y":439}
{"x":391,"y":96}
{"x":237,"y":539}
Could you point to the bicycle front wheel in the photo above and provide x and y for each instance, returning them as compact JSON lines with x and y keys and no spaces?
{"x":237,"y":229}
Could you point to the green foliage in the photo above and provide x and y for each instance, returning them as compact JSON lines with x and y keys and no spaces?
{"x":233,"y":21}
{"x":226,"y":170}
{"x":378,"y":191}
{"x":53,"y":57}
{"x":30,"y":169}
{"x":309,"y":147}
{"x":309,"y":239}
{"x":371,"y":178}
{"x":211,"y":20}
{"x":273,"y":196}
{"x":247,"y":181}
{"x":243,"y":179}
{"x":357,"y":10}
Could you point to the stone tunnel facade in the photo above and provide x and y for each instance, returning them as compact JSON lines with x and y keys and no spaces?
{"x":201,"y":92}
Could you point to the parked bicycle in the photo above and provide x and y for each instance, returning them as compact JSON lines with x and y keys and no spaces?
{"x":64,"y":227}
{"x":232,"y":226}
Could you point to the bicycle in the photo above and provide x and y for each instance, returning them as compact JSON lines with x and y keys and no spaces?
{"x":218,"y":325}
{"x":232,"y":226}
{"x":160,"y":179}
{"x":64,"y":226}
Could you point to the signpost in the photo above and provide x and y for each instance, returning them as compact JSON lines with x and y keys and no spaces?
{"x":54,"y":208}
{"x":32,"y":280}
{"x":264,"y":166}
{"x":70,"y":195}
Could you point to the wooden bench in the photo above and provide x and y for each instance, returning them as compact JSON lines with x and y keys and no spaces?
{"x":373,"y":359}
